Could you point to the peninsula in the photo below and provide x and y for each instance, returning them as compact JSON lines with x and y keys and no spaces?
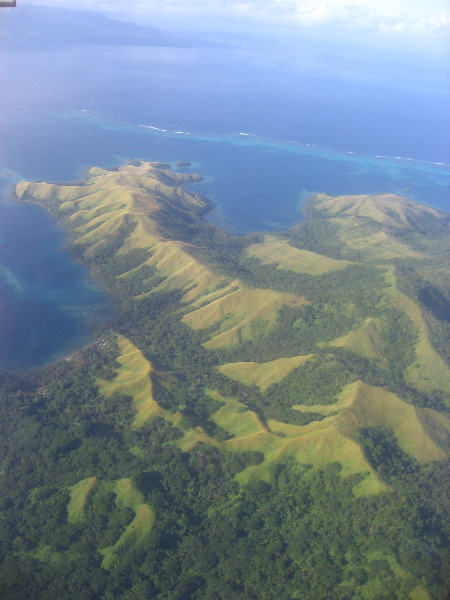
{"x":279,"y":397}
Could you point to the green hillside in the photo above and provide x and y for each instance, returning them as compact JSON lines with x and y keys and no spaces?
{"x":281,"y":398}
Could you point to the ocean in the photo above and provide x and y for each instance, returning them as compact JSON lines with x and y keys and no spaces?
{"x":265,"y":126}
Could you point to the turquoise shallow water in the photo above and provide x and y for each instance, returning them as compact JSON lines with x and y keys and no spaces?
{"x":261,"y":183}
{"x":256,"y":182}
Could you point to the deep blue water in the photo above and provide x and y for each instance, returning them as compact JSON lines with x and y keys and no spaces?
{"x":342,"y":126}
{"x":47,"y":301}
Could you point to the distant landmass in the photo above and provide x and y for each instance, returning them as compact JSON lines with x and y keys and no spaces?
{"x":55,"y":26}
{"x":267,"y":416}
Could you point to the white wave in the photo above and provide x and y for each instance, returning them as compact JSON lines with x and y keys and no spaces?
{"x":409,"y":159}
{"x":182,"y":132}
{"x":10,"y":279}
{"x":151,"y":127}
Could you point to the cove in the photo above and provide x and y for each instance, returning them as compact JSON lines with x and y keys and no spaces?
{"x":48,"y":302}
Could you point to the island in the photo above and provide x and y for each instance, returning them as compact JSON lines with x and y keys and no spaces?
{"x":265,"y":417}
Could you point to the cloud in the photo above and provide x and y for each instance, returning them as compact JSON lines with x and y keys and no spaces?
{"x":353,"y":17}
{"x":394,"y":16}
{"x":440,"y":24}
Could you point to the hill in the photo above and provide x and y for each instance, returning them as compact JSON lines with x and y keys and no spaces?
{"x":282,"y":397}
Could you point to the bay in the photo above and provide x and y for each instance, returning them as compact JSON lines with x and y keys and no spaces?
{"x":48,"y":302}
{"x":263,"y":131}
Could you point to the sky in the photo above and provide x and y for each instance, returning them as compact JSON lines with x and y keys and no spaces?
{"x":400,"y":17}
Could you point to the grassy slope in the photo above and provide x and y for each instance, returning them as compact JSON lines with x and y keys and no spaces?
{"x":111,"y":201}
{"x":127,"y":495}
{"x":134,"y":378}
{"x":104,"y":208}
{"x":133,"y":197}
{"x":79,"y":494}
{"x":386,"y":209}
{"x":362,"y":405}
{"x":376,"y":587}
{"x":370,"y":223}
{"x":365,"y":340}
{"x":315,"y":443}
{"x":429,"y":370}
{"x":373,"y":225}
{"x":237,"y":313}
{"x":262,"y":374}
{"x":276,"y":251}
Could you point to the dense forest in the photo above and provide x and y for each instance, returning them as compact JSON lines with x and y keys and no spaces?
{"x":265,"y":417}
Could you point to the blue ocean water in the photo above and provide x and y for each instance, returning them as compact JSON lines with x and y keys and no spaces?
{"x":47,"y":301}
{"x":264,"y":129}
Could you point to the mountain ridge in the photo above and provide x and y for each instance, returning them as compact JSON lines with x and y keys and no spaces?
{"x":126,"y":205}
{"x":283,"y":395}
